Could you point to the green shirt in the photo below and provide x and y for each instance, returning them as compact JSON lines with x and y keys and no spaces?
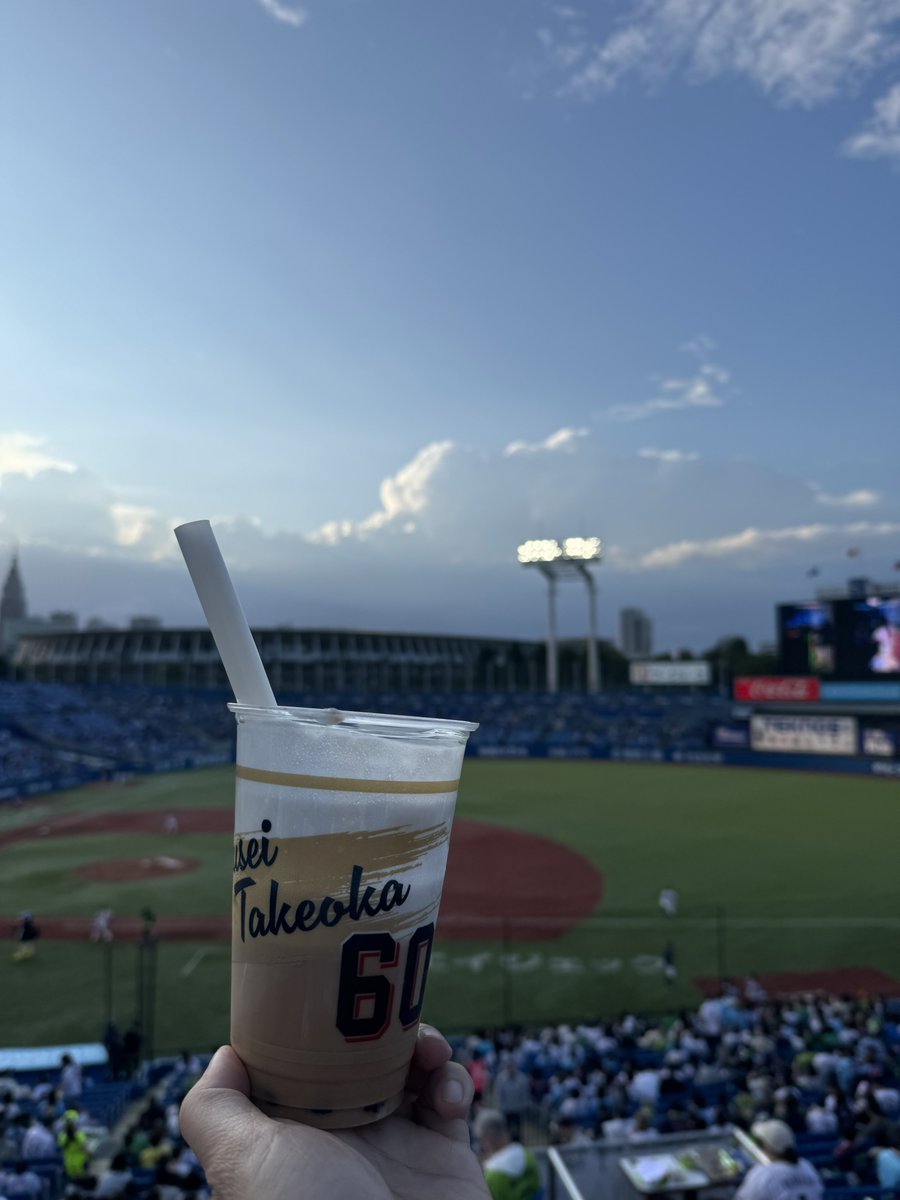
{"x":74,"y":1152}
{"x":512,"y":1174}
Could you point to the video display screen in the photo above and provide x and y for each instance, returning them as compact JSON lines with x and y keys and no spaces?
{"x":868,"y":637}
{"x":806,"y":639}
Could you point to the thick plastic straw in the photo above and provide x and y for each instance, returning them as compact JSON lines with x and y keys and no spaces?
{"x":227,"y":622}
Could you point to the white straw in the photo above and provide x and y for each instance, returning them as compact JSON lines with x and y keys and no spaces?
{"x":227,"y":622}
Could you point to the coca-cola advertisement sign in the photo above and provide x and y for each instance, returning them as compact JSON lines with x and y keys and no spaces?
{"x":778,"y":688}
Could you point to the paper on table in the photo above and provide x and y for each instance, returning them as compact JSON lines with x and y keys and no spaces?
{"x":655,"y":1168}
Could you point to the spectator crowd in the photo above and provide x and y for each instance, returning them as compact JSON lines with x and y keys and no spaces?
{"x":827,"y":1068}
{"x":821,"y":1074}
{"x":52,"y":1143}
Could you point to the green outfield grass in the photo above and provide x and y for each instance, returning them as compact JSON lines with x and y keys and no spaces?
{"x":776,"y":871}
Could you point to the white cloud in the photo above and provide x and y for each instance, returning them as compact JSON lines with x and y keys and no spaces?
{"x":437,"y":551}
{"x":132,"y":522}
{"x":407,"y":491}
{"x":701,"y":346}
{"x":796,"y":51}
{"x":48,"y":500}
{"x":622,"y":52}
{"x":562,"y":439}
{"x":751,"y":544}
{"x":703,"y":389}
{"x":880,"y":137}
{"x":24,"y":454}
{"x":669,"y":456}
{"x":862,"y":498}
{"x":401,"y":494}
{"x":286,"y":14}
{"x":565,"y":52}
{"x":333,"y":532}
{"x":566,"y":12}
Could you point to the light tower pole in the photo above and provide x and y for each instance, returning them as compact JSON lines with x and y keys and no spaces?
{"x":558,"y":561}
{"x":552,"y":651}
{"x":593,"y":658}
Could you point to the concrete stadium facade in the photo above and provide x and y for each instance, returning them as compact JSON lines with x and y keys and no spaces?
{"x":314,"y":660}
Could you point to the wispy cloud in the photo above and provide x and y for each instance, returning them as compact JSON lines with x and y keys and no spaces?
{"x":563,"y":52}
{"x":669,"y":456}
{"x":700,"y":345}
{"x":862,"y":498}
{"x":801,"y":52}
{"x":562,"y":439}
{"x":880,"y":136}
{"x":133,"y":522}
{"x":286,"y":14}
{"x":750,"y":544}
{"x":566,"y":12}
{"x":703,"y":389}
{"x":24,"y":454}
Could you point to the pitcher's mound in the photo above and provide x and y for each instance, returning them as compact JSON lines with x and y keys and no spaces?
{"x":121,"y":870}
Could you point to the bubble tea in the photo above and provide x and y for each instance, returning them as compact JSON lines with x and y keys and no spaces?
{"x":342,"y":824}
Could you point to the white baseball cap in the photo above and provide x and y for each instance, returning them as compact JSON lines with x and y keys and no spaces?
{"x":774,"y":1135}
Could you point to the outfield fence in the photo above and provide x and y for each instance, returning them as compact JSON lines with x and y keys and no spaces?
{"x":484,"y":973}
{"x":534,"y":970}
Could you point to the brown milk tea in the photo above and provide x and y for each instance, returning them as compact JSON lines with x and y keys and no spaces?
{"x":342,"y":824}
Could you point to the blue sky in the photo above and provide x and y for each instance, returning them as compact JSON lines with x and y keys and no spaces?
{"x":385,"y":287}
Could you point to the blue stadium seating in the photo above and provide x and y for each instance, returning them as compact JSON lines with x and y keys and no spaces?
{"x":61,"y":735}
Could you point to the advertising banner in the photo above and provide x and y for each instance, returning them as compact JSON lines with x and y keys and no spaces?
{"x":731,"y":737}
{"x":879,"y":742}
{"x":804,"y":735}
{"x":782,"y":689}
{"x":666,"y":674}
{"x":875,"y":692}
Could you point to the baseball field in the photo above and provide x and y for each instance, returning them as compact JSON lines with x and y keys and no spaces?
{"x":551,"y":905}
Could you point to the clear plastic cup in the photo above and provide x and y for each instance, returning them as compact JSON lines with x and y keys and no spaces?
{"x":342,"y":824}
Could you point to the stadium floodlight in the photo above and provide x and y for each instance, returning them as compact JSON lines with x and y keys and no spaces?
{"x":561,"y":560}
{"x":573,"y":549}
{"x":540,"y":551}
{"x":585,"y":549}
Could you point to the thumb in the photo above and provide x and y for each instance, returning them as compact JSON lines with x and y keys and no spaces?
{"x":217,"y":1109}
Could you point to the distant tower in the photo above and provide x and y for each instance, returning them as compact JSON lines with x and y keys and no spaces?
{"x":635,"y":633}
{"x":12,"y":602}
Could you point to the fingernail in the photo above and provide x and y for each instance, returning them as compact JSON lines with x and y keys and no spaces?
{"x":453,"y":1092}
{"x":212,"y":1065}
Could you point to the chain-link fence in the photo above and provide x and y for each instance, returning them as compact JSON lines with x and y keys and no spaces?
{"x":483,"y":973}
{"x":534,"y":971}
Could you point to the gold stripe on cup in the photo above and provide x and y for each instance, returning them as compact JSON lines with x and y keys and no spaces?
{"x":326,"y":783}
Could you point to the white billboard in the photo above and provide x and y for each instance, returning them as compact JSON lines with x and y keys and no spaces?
{"x":692,"y":674}
{"x":804,"y":735}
